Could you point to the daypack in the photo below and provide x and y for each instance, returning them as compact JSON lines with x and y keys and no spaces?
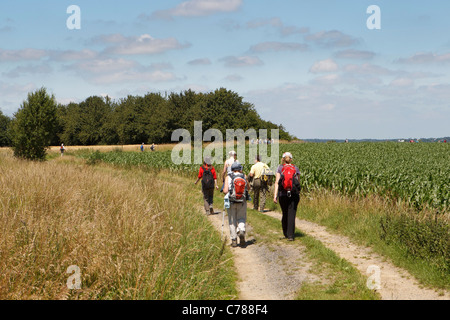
{"x":287,"y":181}
{"x":238,"y":188}
{"x":207,"y":179}
{"x":267,"y":176}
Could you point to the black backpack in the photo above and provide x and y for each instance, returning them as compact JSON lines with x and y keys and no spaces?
{"x":207,"y":179}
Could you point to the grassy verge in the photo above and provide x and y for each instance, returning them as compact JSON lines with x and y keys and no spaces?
{"x":132,"y":235}
{"x":415,"y":242}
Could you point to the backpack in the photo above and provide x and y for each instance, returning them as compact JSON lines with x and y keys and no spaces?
{"x":287,"y":181}
{"x":267,"y":176}
{"x":238,"y":188}
{"x":207,"y":179}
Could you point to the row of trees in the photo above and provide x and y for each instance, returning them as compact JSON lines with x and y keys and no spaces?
{"x":131,"y":120}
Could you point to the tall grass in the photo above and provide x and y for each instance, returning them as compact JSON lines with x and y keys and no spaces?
{"x":419,"y":243}
{"x":133,"y":235}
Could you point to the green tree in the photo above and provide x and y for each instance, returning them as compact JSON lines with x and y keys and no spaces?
{"x":4,"y":127}
{"x":88,"y":122}
{"x":34,"y":126}
{"x":94,"y":112}
{"x":156,"y":118}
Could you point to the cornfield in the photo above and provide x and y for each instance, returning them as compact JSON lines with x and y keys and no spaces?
{"x":418,"y":174}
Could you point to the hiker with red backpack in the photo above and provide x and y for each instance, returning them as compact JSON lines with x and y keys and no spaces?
{"x":235,"y":189}
{"x":208,"y":175}
{"x":287,"y":193}
{"x":62,"y":149}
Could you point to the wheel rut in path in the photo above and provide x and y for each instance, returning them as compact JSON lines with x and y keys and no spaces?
{"x":396,"y":283}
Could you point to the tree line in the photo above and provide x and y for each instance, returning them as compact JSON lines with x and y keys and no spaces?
{"x":151,"y":118}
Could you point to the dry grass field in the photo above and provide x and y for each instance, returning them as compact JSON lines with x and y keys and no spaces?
{"x":132,"y":235}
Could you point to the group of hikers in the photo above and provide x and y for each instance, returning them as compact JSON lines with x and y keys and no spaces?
{"x":261,"y":141}
{"x":151,"y":148}
{"x":236,"y":186}
{"x":62,"y":149}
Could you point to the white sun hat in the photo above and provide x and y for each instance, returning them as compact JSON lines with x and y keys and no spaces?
{"x":287,"y":154}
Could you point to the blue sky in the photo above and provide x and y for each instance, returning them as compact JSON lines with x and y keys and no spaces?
{"x":313,"y":66}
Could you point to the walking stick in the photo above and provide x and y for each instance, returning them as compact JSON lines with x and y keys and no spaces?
{"x":223,"y":221}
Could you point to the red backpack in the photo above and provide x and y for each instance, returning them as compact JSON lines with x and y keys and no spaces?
{"x":287,"y":181}
{"x":238,"y":188}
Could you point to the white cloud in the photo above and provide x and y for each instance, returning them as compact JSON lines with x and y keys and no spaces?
{"x":368,"y":69}
{"x":426,"y":57}
{"x":200,"y":62}
{"x":22,"y":55}
{"x":242,"y":61}
{"x":258,"y":23}
{"x":29,"y":69}
{"x":355,"y":54}
{"x":108,"y":71}
{"x":99,"y":66}
{"x":134,"y":75}
{"x":278,"y":24}
{"x":234,"y":78}
{"x":276,"y":46}
{"x":138,"y":45}
{"x":8,"y":89}
{"x":402,"y":82}
{"x":327,"y":80}
{"x":327,"y":106}
{"x":198,"y":8}
{"x":332,"y":39}
{"x":324,"y":66}
{"x":12,"y":95}
{"x":71,"y":55}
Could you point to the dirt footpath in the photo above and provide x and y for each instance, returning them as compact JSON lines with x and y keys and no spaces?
{"x":265,"y":271}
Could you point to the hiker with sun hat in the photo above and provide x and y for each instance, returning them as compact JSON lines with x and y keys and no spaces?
{"x":287,"y":193}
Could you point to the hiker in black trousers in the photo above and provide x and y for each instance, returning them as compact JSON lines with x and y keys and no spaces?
{"x":287,"y":194}
{"x":208,"y":175}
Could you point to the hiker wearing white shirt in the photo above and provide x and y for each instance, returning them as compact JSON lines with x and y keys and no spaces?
{"x":227,"y":167}
{"x":235,"y":188}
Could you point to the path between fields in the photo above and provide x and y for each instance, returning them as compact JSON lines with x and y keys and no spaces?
{"x":265,"y":272}
{"x":264,"y":275}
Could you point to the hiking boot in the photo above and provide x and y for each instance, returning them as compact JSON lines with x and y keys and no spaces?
{"x":242,"y":240}
{"x":234,"y":243}
{"x":211,"y":211}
